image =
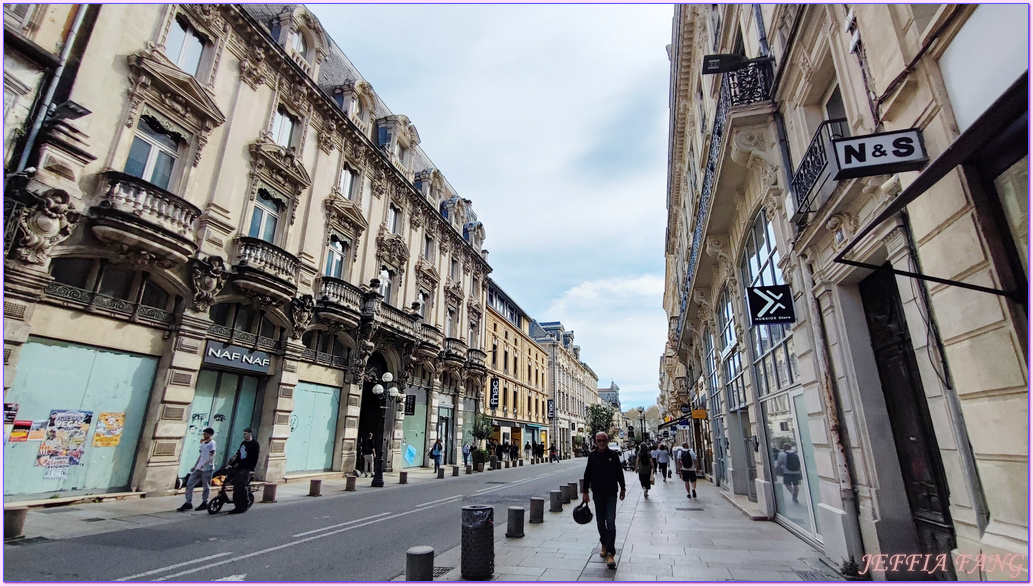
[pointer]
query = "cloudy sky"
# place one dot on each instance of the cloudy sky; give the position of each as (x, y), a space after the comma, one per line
(553, 119)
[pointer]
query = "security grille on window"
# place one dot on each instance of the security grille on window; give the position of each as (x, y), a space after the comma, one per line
(152, 157)
(265, 217)
(184, 46)
(283, 127)
(774, 358)
(337, 251)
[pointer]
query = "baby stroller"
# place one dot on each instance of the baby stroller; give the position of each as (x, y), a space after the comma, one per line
(219, 478)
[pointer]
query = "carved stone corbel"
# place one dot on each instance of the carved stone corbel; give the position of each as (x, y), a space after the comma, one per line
(208, 277)
(301, 310)
(43, 225)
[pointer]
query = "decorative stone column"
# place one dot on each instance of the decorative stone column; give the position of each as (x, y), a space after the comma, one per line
(277, 406)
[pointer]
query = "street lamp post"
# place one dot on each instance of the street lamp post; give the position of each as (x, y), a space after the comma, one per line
(393, 394)
(642, 424)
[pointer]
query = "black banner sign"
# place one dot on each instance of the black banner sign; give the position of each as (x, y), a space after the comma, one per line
(493, 398)
(552, 409)
(772, 304)
(410, 404)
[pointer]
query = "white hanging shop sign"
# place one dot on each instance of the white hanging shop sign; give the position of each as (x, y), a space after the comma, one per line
(879, 154)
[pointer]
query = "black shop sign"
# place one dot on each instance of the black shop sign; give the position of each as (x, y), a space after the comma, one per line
(493, 398)
(410, 404)
(772, 304)
(236, 357)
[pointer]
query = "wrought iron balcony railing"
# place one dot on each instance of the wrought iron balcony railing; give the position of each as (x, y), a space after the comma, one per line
(814, 170)
(750, 84)
(113, 306)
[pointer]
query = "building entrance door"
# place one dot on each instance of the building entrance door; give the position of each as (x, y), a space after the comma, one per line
(917, 450)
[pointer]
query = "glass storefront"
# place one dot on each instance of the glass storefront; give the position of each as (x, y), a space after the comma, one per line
(790, 465)
(414, 430)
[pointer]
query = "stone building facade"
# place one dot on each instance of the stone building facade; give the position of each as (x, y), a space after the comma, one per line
(519, 366)
(572, 385)
(901, 388)
(235, 231)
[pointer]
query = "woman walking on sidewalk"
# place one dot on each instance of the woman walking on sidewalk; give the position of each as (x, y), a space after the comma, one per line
(644, 465)
(435, 453)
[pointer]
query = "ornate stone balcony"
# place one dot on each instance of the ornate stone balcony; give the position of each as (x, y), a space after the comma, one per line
(265, 270)
(431, 341)
(475, 361)
(338, 301)
(455, 353)
(403, 323)
(144, 218)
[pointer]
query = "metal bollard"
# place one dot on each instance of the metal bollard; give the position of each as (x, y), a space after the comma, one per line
(477, 557)
(269, 492)
(537, 510)
(403, 477)
(515, 522)
(349, 483)
(555, 501)
(315, 486)
(455, 470)
(419, 564)
(581, 485)
(575, 494)
(521, 462)
(441, 472)
(507, 463)
(469, 469)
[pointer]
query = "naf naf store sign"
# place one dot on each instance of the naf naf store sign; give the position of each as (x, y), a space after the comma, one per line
(771, 304)
(235, 357)
(879, 154)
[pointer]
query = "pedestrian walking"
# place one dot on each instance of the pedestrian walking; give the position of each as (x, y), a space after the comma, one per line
(201, 472)
(552, 454)
(435, 454)
(689, 466)
(244, 463)
(676, 457)
(644, 467)
(500, 451)
(527, 450)
(466, 454)
(654, 453)
(603, 474)
(514, 452)
(369, 452)
(663, 459)
(788, 465)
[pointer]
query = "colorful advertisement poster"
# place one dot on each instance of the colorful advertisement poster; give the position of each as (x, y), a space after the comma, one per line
(38, 431)
(57, 467)
(65, 438)
(109, 429)
(20, 431)
(10, 412)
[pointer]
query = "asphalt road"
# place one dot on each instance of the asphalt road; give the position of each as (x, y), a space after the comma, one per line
(361, 536)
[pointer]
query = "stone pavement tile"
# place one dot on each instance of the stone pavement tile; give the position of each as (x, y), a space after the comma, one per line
(596, 578)
(791, 576)
(559, 575)
(682, 560)
(518, 570)
(657, 549)
(642, 557)
(508, 578)
(648, 569)
(723, 564)
(755, 575)
(596, 572)
(557, 563)
(765, 565)
(702, 574)
(622, 576)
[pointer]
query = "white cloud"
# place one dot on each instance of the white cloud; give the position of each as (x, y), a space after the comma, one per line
(621, 328)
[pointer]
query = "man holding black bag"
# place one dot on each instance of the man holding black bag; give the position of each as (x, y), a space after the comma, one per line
(603, 474)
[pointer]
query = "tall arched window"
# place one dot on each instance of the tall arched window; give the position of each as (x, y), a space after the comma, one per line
(732, 363)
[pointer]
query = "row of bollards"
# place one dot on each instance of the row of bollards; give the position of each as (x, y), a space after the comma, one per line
(477, 557)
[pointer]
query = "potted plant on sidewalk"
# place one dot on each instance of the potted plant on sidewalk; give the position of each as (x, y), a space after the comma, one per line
(482, 430)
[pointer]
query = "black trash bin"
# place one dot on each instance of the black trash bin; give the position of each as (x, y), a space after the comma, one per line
(478, 540)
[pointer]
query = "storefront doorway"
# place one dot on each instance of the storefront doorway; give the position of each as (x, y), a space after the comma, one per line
(227, 402)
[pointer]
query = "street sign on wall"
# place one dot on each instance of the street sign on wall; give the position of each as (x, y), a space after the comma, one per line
(771, 304)
(699, 413)
(685, 408)
(879, 154)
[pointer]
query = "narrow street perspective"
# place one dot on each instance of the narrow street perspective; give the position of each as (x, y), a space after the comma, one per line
(755, 307)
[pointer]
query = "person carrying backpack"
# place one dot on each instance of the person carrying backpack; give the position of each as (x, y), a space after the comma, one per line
(788, 465)
(689, 466)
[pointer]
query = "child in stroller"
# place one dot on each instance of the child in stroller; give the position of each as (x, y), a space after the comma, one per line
(219, 478)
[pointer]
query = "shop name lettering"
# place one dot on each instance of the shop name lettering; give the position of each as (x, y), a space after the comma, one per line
(237, 357)
(1014, 563)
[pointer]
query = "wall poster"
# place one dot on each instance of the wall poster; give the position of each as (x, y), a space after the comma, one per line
(65, 439)
(109, 429)
(20, 431)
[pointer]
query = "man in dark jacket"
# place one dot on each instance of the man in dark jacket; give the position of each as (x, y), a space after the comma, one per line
(244, 463)
(603, 474)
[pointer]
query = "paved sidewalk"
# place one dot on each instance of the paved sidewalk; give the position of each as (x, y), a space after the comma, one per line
(90, 518)
(666, 537)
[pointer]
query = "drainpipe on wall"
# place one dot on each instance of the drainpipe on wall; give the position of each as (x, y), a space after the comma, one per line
(844, 476)
(44, 109)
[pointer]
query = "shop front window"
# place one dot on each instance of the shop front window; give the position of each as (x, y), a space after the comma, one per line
(791, 461)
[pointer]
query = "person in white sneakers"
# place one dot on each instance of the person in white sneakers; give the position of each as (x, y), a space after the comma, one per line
(201, 472)
(689, 466)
